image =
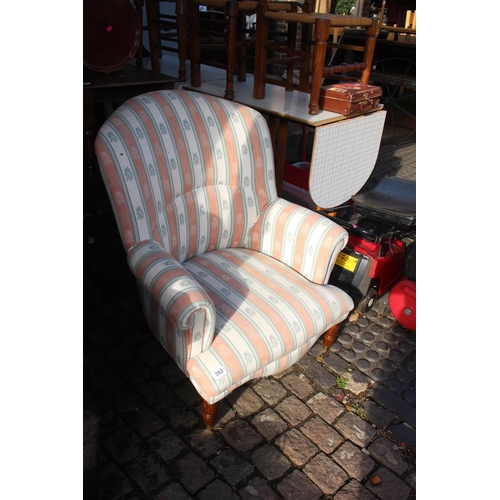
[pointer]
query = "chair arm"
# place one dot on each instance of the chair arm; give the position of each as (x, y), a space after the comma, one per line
(301, 238)
(178, 310)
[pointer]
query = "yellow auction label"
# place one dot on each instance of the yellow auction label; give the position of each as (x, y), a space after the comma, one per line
(346, 261)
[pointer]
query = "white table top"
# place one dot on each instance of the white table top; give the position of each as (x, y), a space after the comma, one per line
(293, 105)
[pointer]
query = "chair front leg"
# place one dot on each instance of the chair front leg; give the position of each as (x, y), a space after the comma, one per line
(330, 336)
(209, 414)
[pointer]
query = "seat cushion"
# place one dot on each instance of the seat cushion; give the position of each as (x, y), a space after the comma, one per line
(268, 315)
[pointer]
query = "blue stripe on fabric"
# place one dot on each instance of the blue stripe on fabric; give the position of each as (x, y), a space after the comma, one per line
(252, 263)
(119, 171)
(222, 317)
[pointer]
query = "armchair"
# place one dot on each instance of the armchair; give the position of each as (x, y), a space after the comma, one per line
(233, 280)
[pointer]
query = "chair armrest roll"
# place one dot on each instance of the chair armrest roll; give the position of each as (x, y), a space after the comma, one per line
(301, 238)
(178, 310)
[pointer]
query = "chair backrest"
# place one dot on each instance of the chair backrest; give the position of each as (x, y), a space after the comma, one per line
(186, 170)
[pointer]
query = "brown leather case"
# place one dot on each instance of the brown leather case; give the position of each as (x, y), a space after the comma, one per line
(349, 98)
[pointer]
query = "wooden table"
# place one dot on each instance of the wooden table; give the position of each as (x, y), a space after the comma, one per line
(281, 107)
(401, 35)
(115, 87)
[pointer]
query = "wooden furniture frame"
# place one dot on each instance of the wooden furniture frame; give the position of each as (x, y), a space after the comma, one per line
(227, 32)
(164, 29)
(311, 55)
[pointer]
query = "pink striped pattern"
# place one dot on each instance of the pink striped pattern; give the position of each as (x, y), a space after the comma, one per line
(302, 239)
(265, 312)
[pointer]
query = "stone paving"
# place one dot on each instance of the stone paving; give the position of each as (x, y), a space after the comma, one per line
(339, 424)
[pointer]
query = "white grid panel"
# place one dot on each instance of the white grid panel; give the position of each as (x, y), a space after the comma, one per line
(344, 154)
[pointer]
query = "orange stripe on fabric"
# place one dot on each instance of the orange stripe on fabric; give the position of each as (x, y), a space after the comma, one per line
(204, 142)
(283, 293)
(322, 303)
(181, 303)
(238, 213)
(178, 135)
(279, 231)
(190, 202)
(324, 252)
(214, 219)
(341, 297)
(113, 180)
(268, 310)
(262, 305)
(258, 155)
(230, 141)
(142, 179)
(156, 143)
(302, 241)
(140, 168)
(224, 350)
(234, 315)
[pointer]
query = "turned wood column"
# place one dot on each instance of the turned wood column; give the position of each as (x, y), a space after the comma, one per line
(209, 413)
(330, 336)
(321, 34)
(232, 14)
(371, 39)
(260, 65)
(181, 14)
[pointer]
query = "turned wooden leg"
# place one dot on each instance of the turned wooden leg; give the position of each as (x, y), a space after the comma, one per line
(330, 336)
(232, 14)
(209, 413)
(181, 16)
(321, 35)
(195, 44)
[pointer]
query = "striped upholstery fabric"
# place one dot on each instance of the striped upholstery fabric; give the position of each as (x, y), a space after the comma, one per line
(232, 278)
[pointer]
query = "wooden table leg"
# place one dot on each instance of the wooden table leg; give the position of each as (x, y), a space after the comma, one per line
(279, 165)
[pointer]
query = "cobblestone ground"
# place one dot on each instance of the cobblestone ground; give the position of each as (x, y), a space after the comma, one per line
(337, 425)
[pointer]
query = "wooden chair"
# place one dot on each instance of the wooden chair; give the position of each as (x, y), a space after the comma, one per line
(168, 32)
(233, 280)
(311, 54)
(223, 28)
(219, 29)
